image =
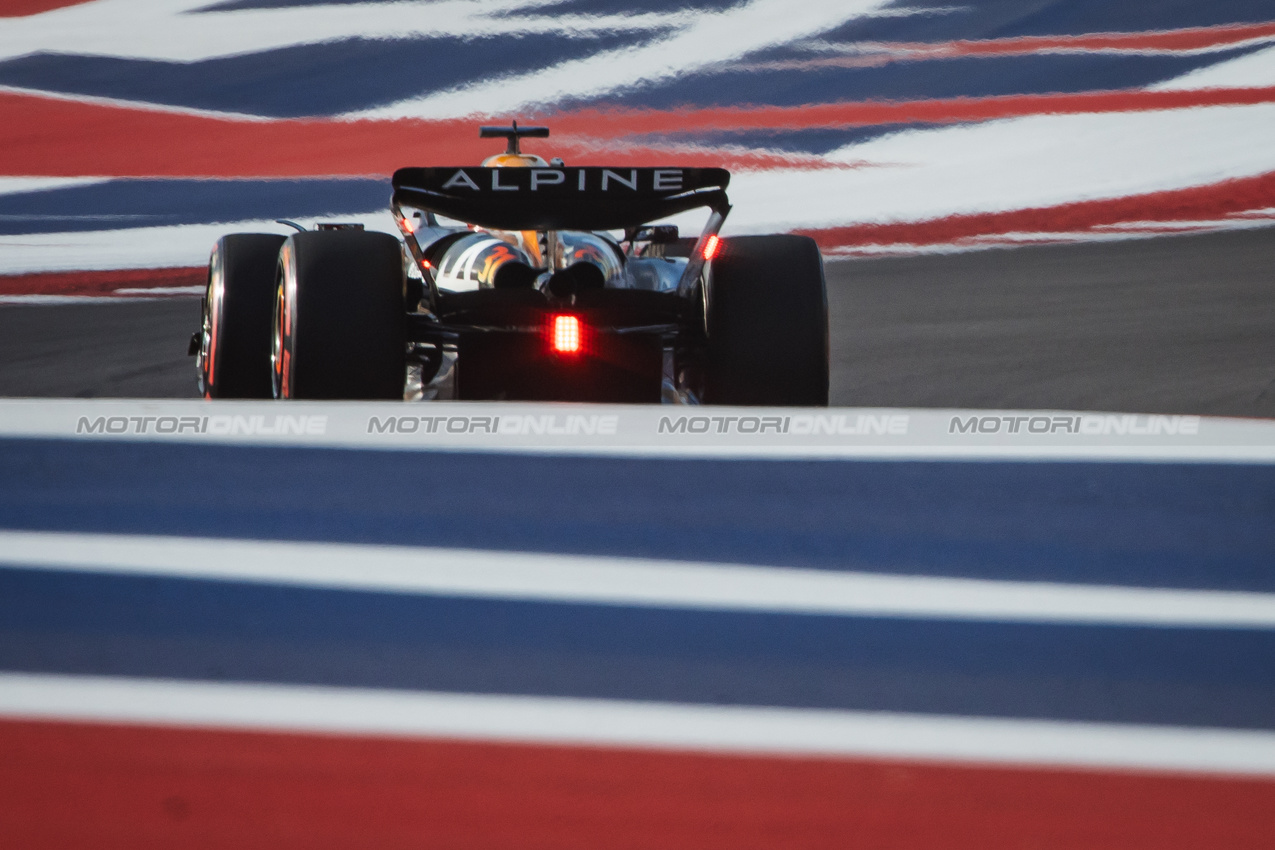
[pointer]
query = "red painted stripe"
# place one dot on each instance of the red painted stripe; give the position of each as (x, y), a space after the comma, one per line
(1214, 201)
(955, 110)
(62, 137)
(84, 785)
(1192, 38)
(875, 54)
(50, 137)
(99, 282)
(22, 8)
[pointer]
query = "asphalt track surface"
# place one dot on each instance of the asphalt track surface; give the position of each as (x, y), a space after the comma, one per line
(1183, 324)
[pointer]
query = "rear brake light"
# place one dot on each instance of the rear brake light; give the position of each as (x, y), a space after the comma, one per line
(565, 335)
(711, 246)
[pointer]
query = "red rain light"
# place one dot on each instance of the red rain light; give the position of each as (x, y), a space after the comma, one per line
(565, 336)
(711, 246)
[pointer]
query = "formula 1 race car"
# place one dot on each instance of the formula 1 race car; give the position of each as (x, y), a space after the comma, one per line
(548, 283)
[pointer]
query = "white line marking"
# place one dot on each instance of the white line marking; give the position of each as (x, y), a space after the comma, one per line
(160, 290)
(106, 298)
(1122, 232)
(730, 729)
(632, 581)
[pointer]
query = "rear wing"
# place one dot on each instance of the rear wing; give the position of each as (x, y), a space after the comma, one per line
(561, 198)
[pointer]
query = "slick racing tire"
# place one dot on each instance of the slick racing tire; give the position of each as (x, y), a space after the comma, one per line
(234, 339)
(339, 317)
(766, 316)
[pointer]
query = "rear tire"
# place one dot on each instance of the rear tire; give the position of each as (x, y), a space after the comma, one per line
(767, 323)
(234, 342)
(339, 317)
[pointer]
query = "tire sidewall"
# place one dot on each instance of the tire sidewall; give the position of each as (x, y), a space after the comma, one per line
(284, 324)
(210, 324)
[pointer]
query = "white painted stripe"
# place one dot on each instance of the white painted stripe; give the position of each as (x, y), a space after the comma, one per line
(58, 300)
(730, 729)
(1253, 70)
(19, 185)
(152, 291)
(157, 293)
(1122, 232)
(165, 246)
(632, 581)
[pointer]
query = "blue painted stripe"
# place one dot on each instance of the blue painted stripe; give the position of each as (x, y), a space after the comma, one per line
(977, 19)
(1157, 525)
(971, 76)
(162, 627)
(308, 80)
(817, 141)
(153, 203)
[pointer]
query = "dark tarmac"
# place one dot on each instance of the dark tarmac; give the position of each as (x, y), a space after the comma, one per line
(1183, 324)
